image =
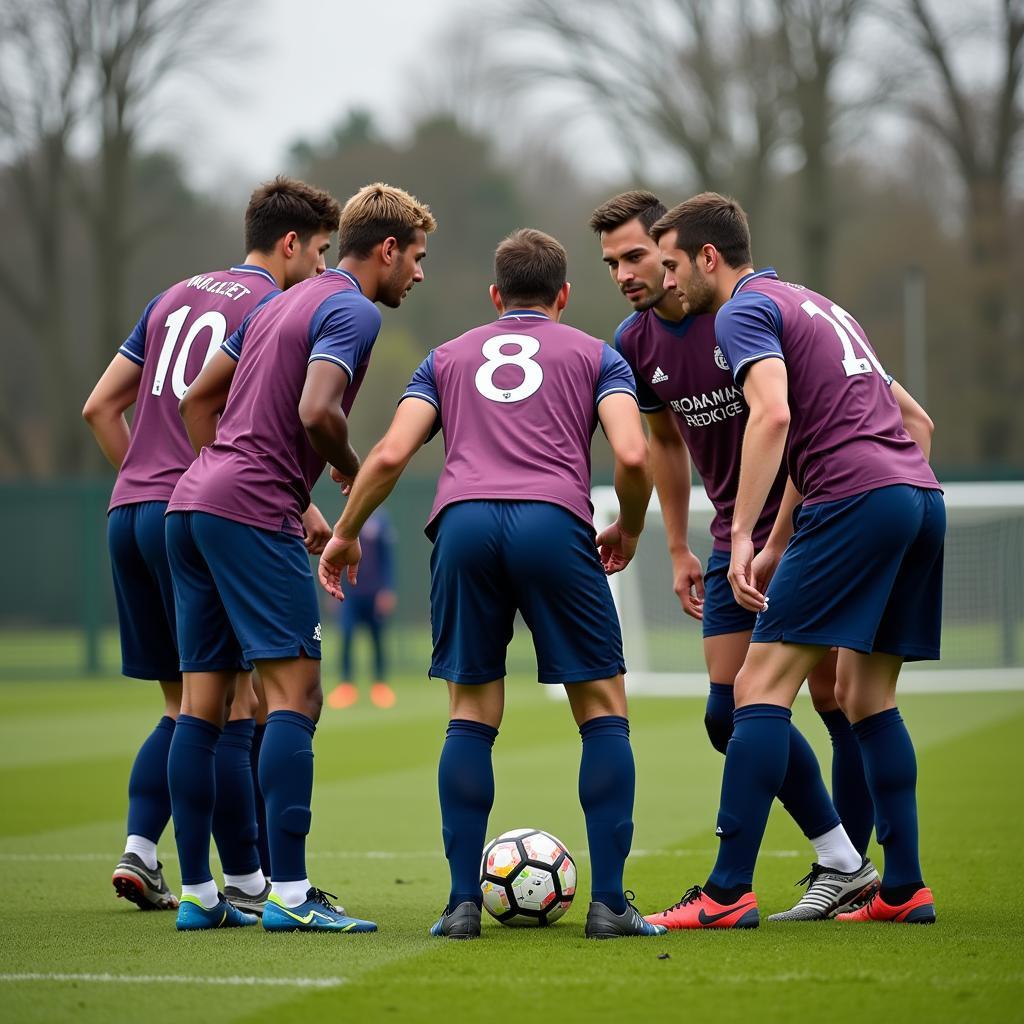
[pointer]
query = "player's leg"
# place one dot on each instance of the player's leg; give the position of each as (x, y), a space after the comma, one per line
(380, 693)
(471, 616)
(346, 693)
(257, 745)
(145, 606)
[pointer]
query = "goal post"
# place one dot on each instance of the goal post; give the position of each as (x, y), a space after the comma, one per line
(982, 610)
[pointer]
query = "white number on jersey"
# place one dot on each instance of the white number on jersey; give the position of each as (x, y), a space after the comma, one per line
(218, 327)
(533, 375)
(842, 323)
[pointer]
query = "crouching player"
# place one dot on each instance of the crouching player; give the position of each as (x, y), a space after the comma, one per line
(243, 588)
(518, 401)
(287, 230)
(862, 572)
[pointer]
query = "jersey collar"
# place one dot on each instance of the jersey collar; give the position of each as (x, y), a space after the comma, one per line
(523, 314)
(346, 274)
(767, 272)
(248, 268)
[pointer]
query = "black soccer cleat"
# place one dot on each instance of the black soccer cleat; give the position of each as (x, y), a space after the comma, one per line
(461, 923)
(134, 882)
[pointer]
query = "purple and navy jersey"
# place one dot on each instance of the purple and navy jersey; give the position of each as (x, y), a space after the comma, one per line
(517, 401)
(261, 467)
(846, 433)
(679, 366)
(177, 332)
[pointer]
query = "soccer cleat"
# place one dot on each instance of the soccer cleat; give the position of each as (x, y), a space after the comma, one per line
(461, 923)
(919, 909)
(317, 914)
(697, 909)
(829, 892)
(604, 923)
(245, 902)
(382, 696)
(134, 882)
(344, 695)
(194, 917)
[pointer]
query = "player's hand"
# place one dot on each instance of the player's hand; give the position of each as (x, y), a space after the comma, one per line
(385, 602)
(688, 583)
(741, 577)
(339, 556)
(616, 548)
(763, 566)
(316, 530)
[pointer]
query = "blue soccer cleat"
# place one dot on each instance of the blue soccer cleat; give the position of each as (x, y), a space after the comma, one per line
(317, 914)
(194, 917)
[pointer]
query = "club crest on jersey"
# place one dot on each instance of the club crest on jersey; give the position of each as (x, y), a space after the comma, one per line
(660, 376)
(720, 361)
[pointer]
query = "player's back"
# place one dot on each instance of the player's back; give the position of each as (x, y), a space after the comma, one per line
(518, 402)
(177, 333)
(846, 431)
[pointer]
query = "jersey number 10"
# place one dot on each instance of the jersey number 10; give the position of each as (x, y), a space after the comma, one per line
(842, 323)
(211, 320)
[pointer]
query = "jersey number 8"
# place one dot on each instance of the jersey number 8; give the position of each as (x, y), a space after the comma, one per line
(533, 375)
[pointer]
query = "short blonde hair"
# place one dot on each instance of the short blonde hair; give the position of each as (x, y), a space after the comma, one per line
(377, 212)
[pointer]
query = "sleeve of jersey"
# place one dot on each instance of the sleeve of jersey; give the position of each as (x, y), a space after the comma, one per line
(134, 346)
(424, 385)
(748, 329)
(646, 398)
(614, 378)
(233, 345)
(343, 331)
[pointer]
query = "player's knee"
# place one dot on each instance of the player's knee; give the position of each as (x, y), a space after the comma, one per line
(296, 820)
(719, 729)
(315, 703)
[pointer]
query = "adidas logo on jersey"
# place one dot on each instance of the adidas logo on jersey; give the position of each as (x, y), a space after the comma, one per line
(660, 376)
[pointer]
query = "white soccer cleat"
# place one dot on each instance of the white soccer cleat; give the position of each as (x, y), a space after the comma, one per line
(830, 892)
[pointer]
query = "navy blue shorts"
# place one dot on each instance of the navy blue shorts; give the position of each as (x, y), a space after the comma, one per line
(722, 614)
(142, 587)
(359, 609)
(241, 594)
(864, 573)
(492, 558)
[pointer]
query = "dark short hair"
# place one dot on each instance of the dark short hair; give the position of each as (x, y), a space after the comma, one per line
(529, 268)
(637, 203)
(286, 204)
(377, 212)
(709, 219)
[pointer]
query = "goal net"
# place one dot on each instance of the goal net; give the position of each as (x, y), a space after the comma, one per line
(982, 601)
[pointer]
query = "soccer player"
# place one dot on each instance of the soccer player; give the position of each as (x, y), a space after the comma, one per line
(287, 231)
(862, 572)
(518, 401)
(687, 393)
(243, 589)
(369, 603)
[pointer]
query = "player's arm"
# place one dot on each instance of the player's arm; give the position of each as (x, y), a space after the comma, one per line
(205, 398)
(104, 409)
(325, 423)
(670, 463)
(766, 561)
(411, 427)
(620, 418)
(917, 423)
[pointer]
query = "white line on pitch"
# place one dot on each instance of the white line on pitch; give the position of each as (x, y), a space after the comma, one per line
(172, 979)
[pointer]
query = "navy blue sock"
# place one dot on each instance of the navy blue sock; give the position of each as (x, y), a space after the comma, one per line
(193, 784)
(803, 791)
(755, 765)
(149, 799)
(891, 771)
(850, 791)
(718, 715)
(234, 813)
(286, 778)
(607, 785)
(261, 807)
(465, 785)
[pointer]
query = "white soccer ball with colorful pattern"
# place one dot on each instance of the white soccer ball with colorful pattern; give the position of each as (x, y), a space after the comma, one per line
(527, 877)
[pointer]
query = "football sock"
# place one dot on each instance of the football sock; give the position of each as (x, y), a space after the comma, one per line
(286, 778)
(144, 849)
(755, 765)
(193, 783)
(251, 884)
(834, 850)
(261, 807)
(607, 784)
(850, 791)
(234, 814)
(891, 771)
(803, 791)
(149, 799)
(291, 894)
(465, 785)
(718, 715)
(894, 895)
(205, 892)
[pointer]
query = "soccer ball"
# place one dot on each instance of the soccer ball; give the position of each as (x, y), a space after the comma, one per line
(527, 877)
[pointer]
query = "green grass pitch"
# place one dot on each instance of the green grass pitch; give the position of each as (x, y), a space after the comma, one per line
(69, 950)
